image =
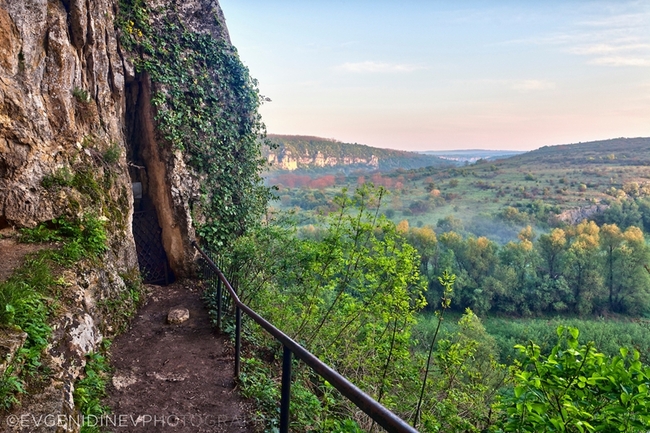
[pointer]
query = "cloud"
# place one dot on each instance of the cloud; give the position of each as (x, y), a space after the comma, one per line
(617, 40)
(619, 20)
(621, 61)
(376, 67)
(605, 48)
(532, 85)
(628, 52)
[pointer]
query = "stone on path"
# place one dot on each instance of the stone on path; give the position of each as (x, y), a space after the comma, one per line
(178, 315)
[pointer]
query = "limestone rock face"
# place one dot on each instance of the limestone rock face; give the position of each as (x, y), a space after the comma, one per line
(574, 216)
(68, 94)
(74, 113)
(62, 79)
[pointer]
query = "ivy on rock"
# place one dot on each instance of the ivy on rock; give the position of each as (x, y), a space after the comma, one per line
(207, 106)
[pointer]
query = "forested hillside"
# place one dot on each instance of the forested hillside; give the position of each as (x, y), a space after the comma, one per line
(291, 152)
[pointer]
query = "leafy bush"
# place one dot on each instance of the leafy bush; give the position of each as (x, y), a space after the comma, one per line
(90, 390)
(577, 389)
(608, 335)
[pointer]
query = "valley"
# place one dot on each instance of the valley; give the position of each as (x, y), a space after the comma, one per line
(544, 188)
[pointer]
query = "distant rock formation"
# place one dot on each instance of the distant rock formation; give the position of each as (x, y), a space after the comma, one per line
(285, 160)
(574, 216)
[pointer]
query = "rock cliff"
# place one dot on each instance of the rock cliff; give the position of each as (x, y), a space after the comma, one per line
(296, 152)
(78, 134)
(285, 160)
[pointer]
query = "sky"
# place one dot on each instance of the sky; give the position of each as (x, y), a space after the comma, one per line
(439, 75)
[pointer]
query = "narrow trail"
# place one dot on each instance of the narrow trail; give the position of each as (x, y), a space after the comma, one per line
(174, 378)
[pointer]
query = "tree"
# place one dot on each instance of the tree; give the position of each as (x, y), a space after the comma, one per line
(610, 240)
(551, 248)
(426, 243)
(517, 273)
(582, 266)
(475, 261)
(631, 289)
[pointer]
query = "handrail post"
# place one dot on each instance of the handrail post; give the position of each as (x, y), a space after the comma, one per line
(237, 340)
(219, 302)
(285, 401)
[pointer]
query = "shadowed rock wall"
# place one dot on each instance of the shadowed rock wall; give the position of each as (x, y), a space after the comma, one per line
(68, 96)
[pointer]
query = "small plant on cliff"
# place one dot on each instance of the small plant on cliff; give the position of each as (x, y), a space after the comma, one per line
(90, 390)
(62, 177)
(81, 95)
(112, 154)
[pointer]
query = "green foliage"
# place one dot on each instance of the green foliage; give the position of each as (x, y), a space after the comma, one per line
(577, 389)
(461, 375)
(608, 335)
(81, 95)
(24, 305)
(62, 177)
(85, 235)
(25, 298)
(112, 154)
(349, 292)
(309, 412)
(257, 384)
(90, 390)
(206, 104)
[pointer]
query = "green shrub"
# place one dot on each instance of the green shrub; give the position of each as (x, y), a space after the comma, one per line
(112, 154)
(62, 177)
(81, 95)
(90, 390)
(577, 389)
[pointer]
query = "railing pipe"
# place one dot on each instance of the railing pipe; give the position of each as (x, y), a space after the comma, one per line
(285, 401)
(219, 303)
(237, 339)
(385, 418)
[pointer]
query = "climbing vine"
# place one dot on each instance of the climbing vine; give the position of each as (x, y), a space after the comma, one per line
(206, 105)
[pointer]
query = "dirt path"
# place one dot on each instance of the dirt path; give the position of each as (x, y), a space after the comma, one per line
(176, 378)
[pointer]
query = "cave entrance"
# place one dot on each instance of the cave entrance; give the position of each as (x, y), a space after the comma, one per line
(147, 234)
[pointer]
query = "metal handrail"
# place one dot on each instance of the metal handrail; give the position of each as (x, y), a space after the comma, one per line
(382, 416)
